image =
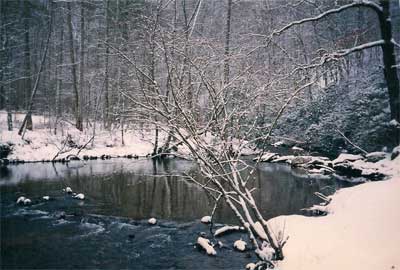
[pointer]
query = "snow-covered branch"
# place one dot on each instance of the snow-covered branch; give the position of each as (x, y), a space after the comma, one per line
(361, 47)
(368, 4)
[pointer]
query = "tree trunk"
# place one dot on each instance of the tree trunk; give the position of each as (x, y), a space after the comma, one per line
(28, 81)
(389, 61)
(227, 42)
(78, 114)
(58, 76)
(9, 121)
(28, 116)
(3, 56)
(106, 73)
(82, 60)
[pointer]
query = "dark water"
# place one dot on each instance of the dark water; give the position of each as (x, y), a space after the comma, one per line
(109, 230)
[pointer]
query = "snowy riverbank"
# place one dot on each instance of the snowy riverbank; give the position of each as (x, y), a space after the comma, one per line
(42, 144)
(361, 230)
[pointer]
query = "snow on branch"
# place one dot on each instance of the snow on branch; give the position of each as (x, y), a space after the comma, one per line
(361, 47)
(395, 43)
(368, 4)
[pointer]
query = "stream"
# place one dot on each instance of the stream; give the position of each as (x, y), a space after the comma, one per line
(109, 229)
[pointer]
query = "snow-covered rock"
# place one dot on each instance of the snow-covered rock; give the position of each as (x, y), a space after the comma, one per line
(251, 266)
(301, 160)
(27, 201)
(227, 229)
(240, 245)
(287, 159)
(395, 152)
(346, 157)
(205, 244)
(348, 169)
(298, 149)
(279, 143)
(21, 200)
(268, 157)
(375, 156)
(322, 171)
(152, 221)
(68, 190)
(206, 219)
(46, 198)
(394, 123)
(80, 196)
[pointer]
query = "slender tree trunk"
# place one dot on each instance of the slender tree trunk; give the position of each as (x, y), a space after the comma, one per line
(227, 42)
(106, 73)
(28, 116)
(58, 76)
(152, 76)
(78, 115)
(9, 121)
(389, 60)
(82, 59)
(3, 56)
(4, 94)
(28, 73)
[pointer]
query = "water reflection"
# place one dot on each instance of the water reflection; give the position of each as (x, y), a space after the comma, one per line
(145, 188)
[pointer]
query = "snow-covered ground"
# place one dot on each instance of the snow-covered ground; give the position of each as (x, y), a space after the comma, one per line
(42, 144)
(361, 231)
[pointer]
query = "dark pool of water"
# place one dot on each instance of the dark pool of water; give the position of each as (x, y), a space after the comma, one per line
(109, 229)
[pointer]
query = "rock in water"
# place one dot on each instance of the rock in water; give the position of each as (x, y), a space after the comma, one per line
(27, 201)
(46, 198)
(68, 190)
(21, 200)
(80, 196)
(205, 244)
(251, 266)
(267, 157)
(240, 245)
(301, 161)
(206, 219)
(152, 221)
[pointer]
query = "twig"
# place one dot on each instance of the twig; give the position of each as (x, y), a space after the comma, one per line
(61, 149)
(84, 146)
(350, 142)
(322, 197)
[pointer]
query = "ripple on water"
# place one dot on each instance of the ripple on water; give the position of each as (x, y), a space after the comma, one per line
(60, 222)
(159, 240)
(123, 225)
(91, 228)
(28, 212)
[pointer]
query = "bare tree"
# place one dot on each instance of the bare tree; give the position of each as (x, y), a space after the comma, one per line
(77, 105)
(27, 122)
